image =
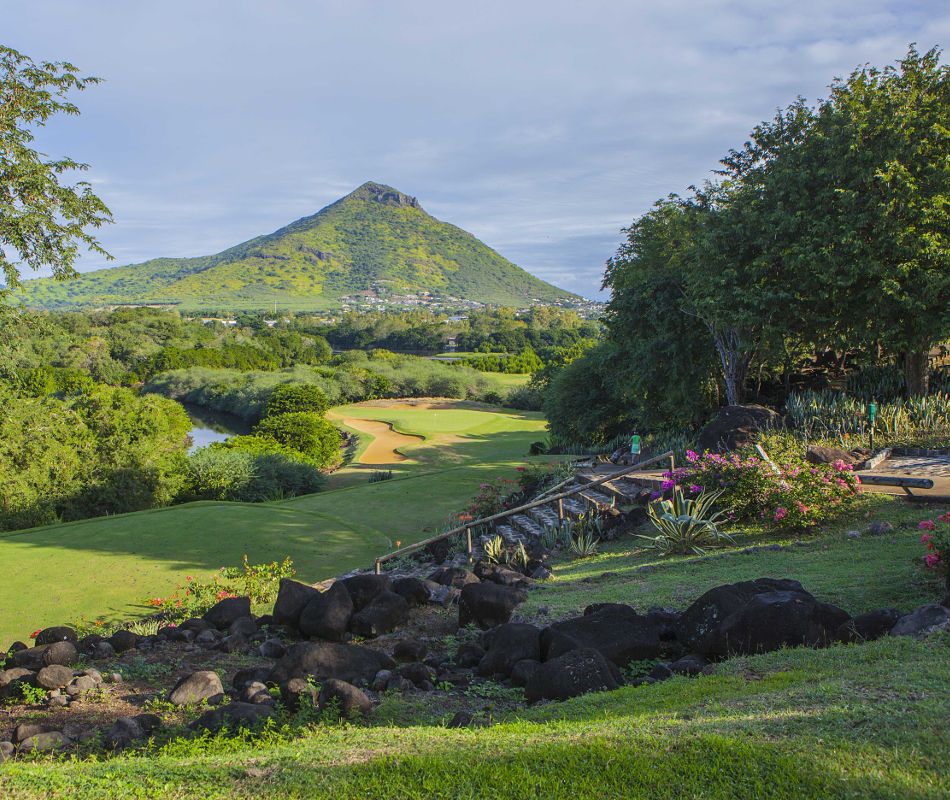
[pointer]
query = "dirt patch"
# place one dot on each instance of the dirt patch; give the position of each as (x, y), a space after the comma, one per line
(425, 403)
(383, 448)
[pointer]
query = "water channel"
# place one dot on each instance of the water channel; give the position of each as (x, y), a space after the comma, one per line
(209, 426)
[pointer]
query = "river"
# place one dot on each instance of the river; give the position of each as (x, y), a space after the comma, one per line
(209, 426)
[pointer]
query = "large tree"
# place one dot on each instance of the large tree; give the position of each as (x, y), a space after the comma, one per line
(42, 221)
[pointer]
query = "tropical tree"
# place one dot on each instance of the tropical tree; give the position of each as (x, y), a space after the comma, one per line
(42, 221)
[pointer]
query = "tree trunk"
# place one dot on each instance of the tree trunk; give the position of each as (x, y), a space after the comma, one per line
(917, 372)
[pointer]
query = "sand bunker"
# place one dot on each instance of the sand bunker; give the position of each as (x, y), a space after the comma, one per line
(382, 450)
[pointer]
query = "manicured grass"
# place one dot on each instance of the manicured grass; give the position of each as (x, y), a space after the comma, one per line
(849, 721)
(106, 566)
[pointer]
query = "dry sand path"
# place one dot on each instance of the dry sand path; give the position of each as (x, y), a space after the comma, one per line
(383, 448)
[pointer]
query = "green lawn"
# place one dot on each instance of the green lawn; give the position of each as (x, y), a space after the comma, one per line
(849, 721)
(104, 567)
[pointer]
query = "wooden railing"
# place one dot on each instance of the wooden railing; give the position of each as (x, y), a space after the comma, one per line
(559, 498)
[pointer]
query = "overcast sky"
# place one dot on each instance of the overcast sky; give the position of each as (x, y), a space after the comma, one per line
(542, 127)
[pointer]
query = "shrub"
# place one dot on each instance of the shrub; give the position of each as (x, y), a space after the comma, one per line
(798, 494)
(289, 398)
(686, 524)
(937, 540)
(219, 473)
(305, 433)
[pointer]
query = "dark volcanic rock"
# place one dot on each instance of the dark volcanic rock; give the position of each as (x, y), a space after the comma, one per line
(469, 655)
(64, 653)
(123, 641)
(522, 671)
(409, 650)
(869, 626)
(226, 611)
(364, 589)
(735, 426)
(708, 612)
(297, 690)
(345, 698)
(488, 604)
(234, 715)
(413, 590)
(458, 577)
(386, 612)
(508, 644)
(350, 663)
(327, 614)
(292, 598)
(828, 455)
(618, 632)
(59, 633)
(574, 673)
(921, 621)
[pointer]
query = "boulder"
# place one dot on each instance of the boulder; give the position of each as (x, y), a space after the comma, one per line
(500, 574)
(292, 598)
(6, 751)
(736, 426)
(322, 660)
(708, 612)
(574, 673)
(198, 686)
(409, 650)
(508, 644)
(413, 590)
(418, 673)
(54, 677)
(30, 658)
(773, 620)
(123, 732)
(458, 577)
(243, 626)
(87, 645)
(469, 655)
(618, 632)
(234, 715)
(688, 665)
(828, 455)
(59, 633)
(123, 641)
(364, 588)
(386, 612)
(327, 614)
(272, 648)
(232, 644)
(922, 621)
(63, 653)
(103, 650)
(869, 626)
(295, 691)
(488, 604)
(522, 671)
(345, 698)
(41, 742)
(195, 624)
(880, 528)
(226, 611)
(244, 677)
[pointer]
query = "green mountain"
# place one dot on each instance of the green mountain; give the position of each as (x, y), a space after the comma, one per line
(374, 241)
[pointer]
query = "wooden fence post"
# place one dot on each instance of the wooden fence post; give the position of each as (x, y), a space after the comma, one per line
(560, 510)
(468, 536)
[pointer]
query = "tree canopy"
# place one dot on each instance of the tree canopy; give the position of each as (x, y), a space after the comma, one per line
(42, 221)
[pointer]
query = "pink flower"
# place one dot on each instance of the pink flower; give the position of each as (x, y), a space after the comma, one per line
(691, 456)
(944, 517)
(667, 485)
(932, 559)
(802, 508)
(925, 538)
(927, 525)
(780, 513)
(520, 469)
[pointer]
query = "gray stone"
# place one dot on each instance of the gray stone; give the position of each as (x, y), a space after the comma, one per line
(62, 653)
(103, 650)
(327, 614)
(922, 621)
(350, 663)
(54, 676)
(574, 673)
(345, 698)
(223, 613)
(381, 681)
(880, 528)
(272, 648)
(123, 732)
(41, 742)
(6, 751)
(234, 715)
(292, 598)
(202, 685)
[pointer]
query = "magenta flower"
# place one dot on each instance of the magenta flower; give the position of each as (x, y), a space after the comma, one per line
(667, 485)
(780, 513)
(927, 525)
(656, 495)
(695, 488)
(925, 538)
(932, 559)
(691, 456)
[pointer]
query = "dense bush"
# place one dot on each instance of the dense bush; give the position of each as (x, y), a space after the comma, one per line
(289, 397)
(220, 472)
(798, 494)
(305, 433)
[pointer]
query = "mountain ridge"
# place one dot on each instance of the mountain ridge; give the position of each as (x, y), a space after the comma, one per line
(375, 241)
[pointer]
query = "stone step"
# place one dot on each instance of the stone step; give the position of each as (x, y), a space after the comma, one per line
(574, 508)
(525, 525)
(544, 515)
(598, 498)
(509, 534)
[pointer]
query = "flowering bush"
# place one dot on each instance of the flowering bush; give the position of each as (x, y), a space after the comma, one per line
(937, 540)
(260, 582)
(491, 498)
(798, 494)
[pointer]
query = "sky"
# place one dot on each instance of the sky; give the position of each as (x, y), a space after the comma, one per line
(542, 127)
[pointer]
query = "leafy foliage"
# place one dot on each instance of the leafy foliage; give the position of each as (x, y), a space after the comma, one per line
(41, 220)
(686, 525)
(308, 434)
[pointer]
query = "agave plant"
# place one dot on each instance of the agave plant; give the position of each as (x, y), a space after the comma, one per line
(494, 549)
(686, 525)
(584, 544)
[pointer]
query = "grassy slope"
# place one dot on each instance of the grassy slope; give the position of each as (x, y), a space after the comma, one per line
(104, 566)
(342, 249)
(859, 721)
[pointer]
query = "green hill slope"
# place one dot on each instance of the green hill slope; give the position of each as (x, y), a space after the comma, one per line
(374, 241)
